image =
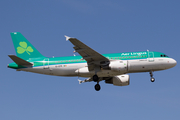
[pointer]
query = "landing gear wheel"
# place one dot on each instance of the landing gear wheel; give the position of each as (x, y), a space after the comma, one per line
(97, 87)
(152, 79)
(95, 78)
(151, 74)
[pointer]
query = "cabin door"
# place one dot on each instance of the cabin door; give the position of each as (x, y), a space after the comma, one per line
(46, 63)
(150, 56)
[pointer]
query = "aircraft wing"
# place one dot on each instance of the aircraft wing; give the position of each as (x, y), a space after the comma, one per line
(93, 58)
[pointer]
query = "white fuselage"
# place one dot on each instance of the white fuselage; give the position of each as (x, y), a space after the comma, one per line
(81, 69)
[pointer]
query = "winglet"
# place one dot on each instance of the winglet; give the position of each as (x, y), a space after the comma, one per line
(80, 81)
(67, 38)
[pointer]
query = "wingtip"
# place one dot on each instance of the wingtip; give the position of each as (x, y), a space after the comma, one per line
(79, 81)
(67, 37)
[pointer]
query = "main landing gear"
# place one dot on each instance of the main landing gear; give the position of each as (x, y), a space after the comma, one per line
(151, 74)
(96, 79)
(97, 87)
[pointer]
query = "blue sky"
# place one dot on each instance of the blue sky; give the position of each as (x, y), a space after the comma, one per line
(107, 26)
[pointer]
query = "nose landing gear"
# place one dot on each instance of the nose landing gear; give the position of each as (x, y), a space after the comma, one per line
(152, 78)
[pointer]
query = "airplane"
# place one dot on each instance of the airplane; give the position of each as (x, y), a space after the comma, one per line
(112, 68)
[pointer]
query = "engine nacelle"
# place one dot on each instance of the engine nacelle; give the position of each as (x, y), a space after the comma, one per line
(84, 72)
(119, 66)
(120, 80)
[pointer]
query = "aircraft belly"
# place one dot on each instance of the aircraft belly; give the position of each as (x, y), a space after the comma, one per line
(66, 69)
(137, 65)
(39, 70)
(84, 72)
(57, 70)
(107, 73)
(144, 65)
(64, 72)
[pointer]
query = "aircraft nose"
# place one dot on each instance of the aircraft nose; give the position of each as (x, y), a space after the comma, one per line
(173, 62)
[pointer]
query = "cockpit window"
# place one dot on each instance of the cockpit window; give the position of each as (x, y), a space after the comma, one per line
(164, 56)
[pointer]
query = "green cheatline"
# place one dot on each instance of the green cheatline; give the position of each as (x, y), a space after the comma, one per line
(23, 47)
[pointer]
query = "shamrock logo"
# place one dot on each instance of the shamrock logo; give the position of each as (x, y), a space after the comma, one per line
(23, 47)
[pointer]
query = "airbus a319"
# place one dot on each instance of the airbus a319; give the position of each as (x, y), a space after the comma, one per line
(112, 68)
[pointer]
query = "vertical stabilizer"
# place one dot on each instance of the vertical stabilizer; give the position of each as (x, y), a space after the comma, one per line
(24, 49)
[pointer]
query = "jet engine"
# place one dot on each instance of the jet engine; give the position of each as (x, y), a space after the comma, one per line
(120, 80)
(119, 66)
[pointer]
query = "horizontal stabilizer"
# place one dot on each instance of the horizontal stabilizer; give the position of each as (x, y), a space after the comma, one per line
(20, 61)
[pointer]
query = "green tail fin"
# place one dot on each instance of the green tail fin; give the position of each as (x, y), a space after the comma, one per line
(24, 49)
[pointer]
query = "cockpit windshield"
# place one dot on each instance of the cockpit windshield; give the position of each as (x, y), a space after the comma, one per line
(164, 56)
